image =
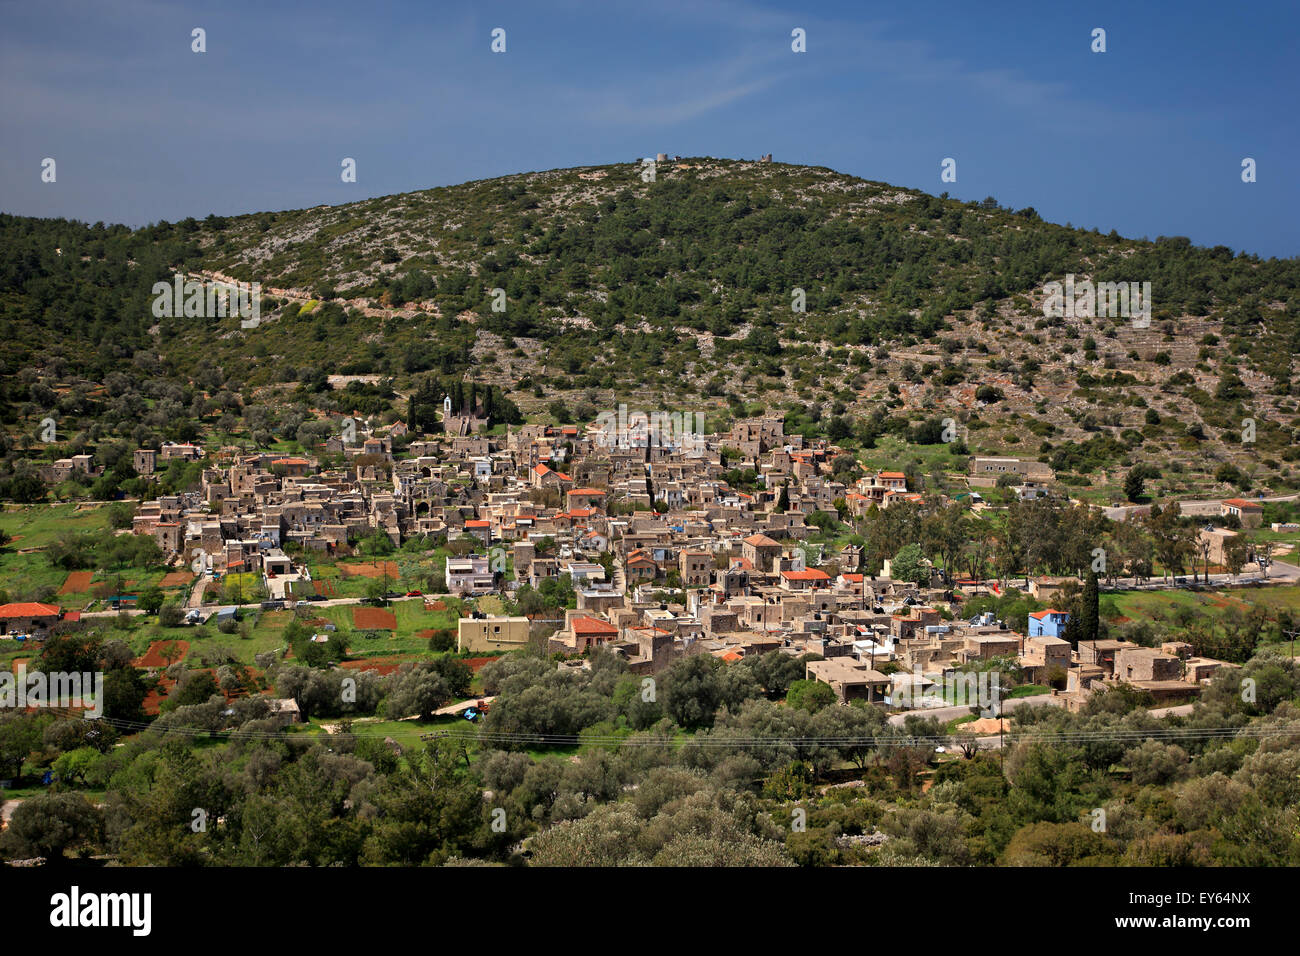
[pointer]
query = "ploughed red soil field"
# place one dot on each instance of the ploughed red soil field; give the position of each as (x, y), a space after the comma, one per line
(373, 618)
(77, 582)
(381, 665)
(154, 657)
(370, 570)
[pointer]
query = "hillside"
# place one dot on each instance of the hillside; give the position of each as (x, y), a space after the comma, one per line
(675, 294)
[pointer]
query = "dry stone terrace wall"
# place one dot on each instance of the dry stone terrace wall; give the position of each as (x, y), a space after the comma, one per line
(302, 297)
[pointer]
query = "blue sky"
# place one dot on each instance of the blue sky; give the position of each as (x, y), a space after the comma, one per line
(1146, 138)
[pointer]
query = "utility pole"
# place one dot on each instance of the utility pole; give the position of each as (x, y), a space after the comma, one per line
(1002, 756)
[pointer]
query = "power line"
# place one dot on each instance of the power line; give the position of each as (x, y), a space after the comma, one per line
(725, 740)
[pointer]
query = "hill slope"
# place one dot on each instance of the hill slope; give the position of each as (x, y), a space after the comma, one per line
(679, 292)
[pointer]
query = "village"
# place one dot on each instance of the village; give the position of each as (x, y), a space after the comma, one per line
(664, 558)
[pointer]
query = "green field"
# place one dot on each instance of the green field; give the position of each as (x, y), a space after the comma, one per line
(412, 618)
(891, 452)
(341, 585)
(1151, 605)
(29, 576)
(408, 577)
(1175, 610)
(405, 732)
(37, 526)
(142, 631)
(265, 632)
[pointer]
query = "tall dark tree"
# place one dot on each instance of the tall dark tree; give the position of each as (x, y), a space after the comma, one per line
(425, 403)
(1089, 611)
(1134, 482)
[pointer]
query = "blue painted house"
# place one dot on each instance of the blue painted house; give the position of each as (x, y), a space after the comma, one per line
(1050, 623)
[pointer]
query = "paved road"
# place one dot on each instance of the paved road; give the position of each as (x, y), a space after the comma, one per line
(1280, 569)
(196, 593)
(1279, 573)
(1182, 710)
(993, 742)
(952, 713)
(335, 602)
(1192, 507)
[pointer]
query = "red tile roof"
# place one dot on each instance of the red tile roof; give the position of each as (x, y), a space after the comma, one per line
(591, 625)
(810, 575)
(29, 609)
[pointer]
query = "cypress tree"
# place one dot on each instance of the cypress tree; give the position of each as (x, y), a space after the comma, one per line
(1089, 610)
